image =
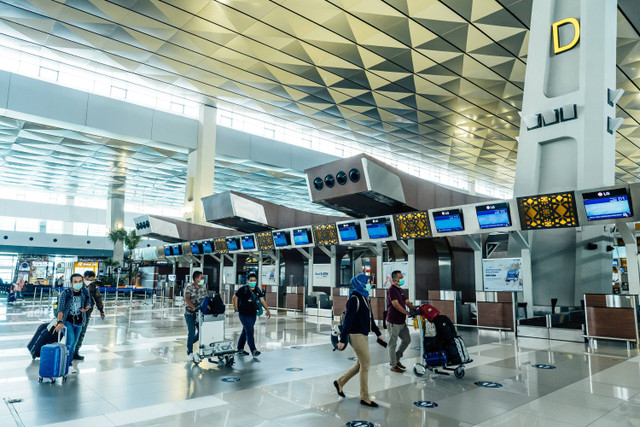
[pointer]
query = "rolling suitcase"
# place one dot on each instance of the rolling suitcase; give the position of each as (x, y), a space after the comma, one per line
(435, 358)
(42, 337)
(54, 361)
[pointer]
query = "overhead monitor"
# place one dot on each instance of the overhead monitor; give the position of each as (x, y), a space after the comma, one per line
(248, 243)
(176, 250)
(493, 215)
(196, 248)
(233, 243)
(281, 239)
(448, 221)
(379, 228)
(167, 251)
(207, 247)
(607, 204)
(349, 231)
(302, 236)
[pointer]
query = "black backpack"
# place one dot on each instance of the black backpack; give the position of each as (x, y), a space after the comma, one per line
(217, 306)
(445, 328)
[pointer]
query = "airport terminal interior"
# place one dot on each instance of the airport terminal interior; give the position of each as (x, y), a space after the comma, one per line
(205, 205)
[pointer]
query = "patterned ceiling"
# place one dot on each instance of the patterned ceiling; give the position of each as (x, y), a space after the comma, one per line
(436, 81)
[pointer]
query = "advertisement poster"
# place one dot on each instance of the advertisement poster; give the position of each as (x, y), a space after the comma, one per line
(268, 275)
(229, 275)
(390, 267)
(81, 267)
(502, 274)
(321, 274)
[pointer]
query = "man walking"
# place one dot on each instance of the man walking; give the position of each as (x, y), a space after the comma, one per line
(96, 298)
(397, 319)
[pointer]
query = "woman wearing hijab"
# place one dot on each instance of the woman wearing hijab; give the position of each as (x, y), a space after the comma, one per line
(358, 322)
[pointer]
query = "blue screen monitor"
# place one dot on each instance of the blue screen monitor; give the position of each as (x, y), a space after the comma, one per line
(233, 243)
(448, 221)
(349, 231)
(196, 248)
(378, 228)
(207, 247)
(176, 250)
(281, 239)
(167, 251)
(494, 215)
(607, 204)
(302, 236)
(248, 243)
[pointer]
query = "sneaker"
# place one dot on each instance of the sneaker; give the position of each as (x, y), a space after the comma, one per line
(255, 353)
(401, 366)
(78, 357)
(397, 369)
(190, 357)
(73, 370)
(243, 352)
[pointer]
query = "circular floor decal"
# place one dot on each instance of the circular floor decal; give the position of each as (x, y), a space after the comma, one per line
(417, 348)
(488, 384)
(297, 347)
(542, 366)
(425, 404)
(230, 379)
(352, 358)
(359, 424)
(294, 369)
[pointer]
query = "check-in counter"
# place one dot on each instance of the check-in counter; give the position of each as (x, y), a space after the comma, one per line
(295, 298)
(377, 298)
(445, 302)
(271, 296)
(496, 310)
(612, 317)
(340, 296)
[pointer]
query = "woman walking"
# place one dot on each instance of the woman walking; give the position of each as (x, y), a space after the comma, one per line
(358, 322)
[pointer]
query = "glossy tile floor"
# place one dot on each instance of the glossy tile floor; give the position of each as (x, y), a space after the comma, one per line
(135, 374)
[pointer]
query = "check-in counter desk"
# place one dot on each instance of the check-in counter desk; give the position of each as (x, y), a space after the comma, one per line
(340, 296)
(496, 310)
(295, 298)
(612, 317)
(445, 302)
(271, 295)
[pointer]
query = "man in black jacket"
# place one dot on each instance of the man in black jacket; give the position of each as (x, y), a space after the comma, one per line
(96, 298)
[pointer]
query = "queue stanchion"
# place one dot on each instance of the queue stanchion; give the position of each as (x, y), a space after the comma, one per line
(131, 297)
(117, 289)
(41, 296)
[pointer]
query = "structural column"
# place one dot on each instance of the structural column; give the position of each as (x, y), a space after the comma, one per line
(200, 167)
(115, 221)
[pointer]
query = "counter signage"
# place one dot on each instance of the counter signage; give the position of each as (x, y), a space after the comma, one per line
(502, 274)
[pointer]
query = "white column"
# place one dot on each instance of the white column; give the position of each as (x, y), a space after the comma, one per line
(115, 221)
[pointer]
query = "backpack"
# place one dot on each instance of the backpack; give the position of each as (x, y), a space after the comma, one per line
(445, 328)
(337, 329)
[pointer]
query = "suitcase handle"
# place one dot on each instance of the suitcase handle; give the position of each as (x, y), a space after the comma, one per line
(60, 336)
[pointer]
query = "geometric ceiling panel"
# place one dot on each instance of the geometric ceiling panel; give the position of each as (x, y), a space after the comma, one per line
(439, 82)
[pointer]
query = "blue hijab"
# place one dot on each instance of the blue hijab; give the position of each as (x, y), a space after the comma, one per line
(359, 284)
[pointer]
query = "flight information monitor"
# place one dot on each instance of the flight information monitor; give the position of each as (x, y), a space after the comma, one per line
(378, 228)
(281, 239)
(206, 247)
(176, 250)
(349, 231)
(448, 221)
(167, 251)
(248, 243)
(196, 248)
(607, 204)
(302, 236)
(493, 216)
(233, 243)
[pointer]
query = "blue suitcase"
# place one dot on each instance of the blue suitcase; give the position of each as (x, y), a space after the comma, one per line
(435, 358)
(54, 361)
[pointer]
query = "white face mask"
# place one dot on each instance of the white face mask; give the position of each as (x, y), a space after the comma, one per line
(88, 282)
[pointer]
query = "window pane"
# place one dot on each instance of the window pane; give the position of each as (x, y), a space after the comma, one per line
(80, 228)
(54, 227)
(27, 224)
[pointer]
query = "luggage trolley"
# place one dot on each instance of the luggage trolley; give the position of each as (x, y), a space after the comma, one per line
(432, 364)
(212, 341)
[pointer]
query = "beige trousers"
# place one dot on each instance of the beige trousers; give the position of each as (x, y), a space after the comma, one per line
(360, 345)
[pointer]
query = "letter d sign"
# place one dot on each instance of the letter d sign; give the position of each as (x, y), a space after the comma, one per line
(556, 37)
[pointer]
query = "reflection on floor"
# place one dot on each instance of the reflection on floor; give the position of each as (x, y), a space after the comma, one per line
(135, 374)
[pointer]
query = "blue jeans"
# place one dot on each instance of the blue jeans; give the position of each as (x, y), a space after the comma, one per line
(73, 333)
(247, 332)
(192, 326)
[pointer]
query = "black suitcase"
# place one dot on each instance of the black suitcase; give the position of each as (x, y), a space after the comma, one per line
(445, 329)
(41, 338)
(432, 344)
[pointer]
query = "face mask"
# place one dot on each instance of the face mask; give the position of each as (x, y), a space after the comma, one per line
(88, 282)
(401, 282)
(77, 286)
(368, 287)
(252, 284)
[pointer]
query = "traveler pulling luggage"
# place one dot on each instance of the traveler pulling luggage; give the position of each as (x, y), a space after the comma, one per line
(44, 335)
(443, 350)
(54, 360)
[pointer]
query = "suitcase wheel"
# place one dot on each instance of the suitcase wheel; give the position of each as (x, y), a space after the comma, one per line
(39, 379)
(64, 379)
(459, 372)
(419, 370)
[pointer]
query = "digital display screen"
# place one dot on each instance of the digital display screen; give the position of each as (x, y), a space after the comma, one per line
(493, 216)
(281, 239)
(607, 204)
(302, 236)
(195, 249)
(176, 250)
(206, 248)
(167, 251)
(233, 244)
(448, 221)
(378, 228)
(349, 231)
(248, 243)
